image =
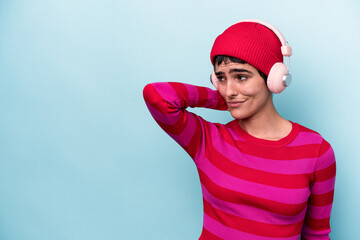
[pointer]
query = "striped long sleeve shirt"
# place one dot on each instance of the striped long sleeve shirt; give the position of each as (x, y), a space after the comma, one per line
(253, 189)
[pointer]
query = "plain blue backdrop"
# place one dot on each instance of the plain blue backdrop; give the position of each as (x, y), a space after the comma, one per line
(80, 156)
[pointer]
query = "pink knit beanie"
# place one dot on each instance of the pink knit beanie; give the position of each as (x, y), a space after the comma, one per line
(250, 42)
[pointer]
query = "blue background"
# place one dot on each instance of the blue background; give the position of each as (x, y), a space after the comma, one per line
(81, 157)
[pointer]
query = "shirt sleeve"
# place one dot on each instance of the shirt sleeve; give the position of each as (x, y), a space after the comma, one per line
(167, 103)
(317, 220)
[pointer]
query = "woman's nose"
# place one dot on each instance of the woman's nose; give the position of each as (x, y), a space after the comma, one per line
(230, 89)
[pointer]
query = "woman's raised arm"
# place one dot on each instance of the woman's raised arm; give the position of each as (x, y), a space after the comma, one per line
(167, 103)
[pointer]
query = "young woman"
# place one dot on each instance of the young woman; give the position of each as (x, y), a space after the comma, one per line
(262, 176)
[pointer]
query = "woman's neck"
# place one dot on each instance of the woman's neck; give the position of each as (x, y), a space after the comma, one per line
(268, 125)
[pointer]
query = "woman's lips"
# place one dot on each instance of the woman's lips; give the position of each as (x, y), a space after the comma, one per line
(235, 104)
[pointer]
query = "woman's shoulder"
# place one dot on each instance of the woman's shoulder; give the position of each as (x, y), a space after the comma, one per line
(302, 128)
(306, 134)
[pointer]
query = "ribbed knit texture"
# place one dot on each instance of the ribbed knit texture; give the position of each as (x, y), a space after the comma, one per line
(253, 189)
(251, 42)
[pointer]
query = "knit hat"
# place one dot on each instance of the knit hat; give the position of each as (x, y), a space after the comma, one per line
(251, 42)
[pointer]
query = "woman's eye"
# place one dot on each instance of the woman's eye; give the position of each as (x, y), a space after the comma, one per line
(242, 78)
(220, 78)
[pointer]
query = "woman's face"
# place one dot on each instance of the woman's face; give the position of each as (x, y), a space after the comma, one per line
(243, 89)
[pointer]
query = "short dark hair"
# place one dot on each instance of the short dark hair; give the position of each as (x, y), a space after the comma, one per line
(219, 59)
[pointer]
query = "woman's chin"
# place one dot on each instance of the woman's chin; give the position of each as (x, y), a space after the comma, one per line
(238, 114)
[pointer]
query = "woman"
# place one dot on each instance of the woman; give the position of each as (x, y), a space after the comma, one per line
(262, 176)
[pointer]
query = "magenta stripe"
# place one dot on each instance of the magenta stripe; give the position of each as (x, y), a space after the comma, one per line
(234, 135)
(200, 154)
(193, 94)
(185, 136)
(325, 160)
(228, 233)
(298, 166)
(169, 119)
(305, 138)
(319, 212)
(310, 234)
(281, 195)
(251, 213)
(323, 187)
(167, 92)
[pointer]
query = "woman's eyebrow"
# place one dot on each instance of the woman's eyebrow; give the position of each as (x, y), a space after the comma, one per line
(234, 70)
(239, 70)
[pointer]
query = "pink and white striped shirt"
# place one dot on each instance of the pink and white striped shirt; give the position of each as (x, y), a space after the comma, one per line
(253, 189)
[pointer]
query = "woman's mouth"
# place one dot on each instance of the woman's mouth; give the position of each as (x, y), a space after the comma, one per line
(235, 104)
